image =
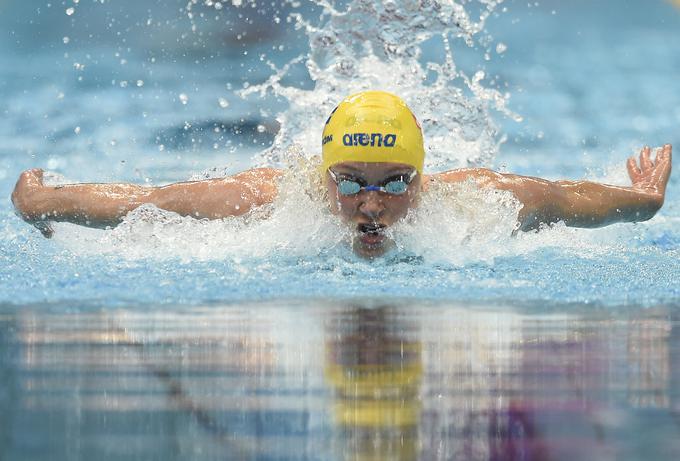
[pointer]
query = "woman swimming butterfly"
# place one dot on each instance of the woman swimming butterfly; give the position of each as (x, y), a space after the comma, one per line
(372, 167)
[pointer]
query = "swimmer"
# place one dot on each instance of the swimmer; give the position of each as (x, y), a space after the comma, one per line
(372, 168)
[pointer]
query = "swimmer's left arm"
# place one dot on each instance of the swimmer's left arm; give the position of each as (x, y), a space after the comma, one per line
(583, 203)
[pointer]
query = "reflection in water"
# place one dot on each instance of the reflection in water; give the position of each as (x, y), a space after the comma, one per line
(362, 381)
(376, 372)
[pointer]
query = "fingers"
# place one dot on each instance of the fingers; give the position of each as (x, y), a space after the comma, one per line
(651, 175)
(645, 160)
(30, 178)
(663, 164)
(33, 176)
(633, 170)
(664, 153)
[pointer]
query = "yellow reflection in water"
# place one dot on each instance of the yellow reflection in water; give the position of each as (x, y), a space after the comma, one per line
(375, 372)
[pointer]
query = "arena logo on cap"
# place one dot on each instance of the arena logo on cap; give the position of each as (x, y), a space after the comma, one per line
(369, 139)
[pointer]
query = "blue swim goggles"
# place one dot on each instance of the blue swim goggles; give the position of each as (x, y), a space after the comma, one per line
(395, 185)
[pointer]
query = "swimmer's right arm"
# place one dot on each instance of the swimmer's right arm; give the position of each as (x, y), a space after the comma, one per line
(105, 205)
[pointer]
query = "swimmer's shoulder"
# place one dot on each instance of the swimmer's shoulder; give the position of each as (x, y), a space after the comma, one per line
(258, 185)
(480, 175)
(259, 176)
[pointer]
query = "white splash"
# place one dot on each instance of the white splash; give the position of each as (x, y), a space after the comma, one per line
(378, 45)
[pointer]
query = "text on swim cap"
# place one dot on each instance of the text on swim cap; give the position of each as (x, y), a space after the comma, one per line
(326, 139)
(369, 139)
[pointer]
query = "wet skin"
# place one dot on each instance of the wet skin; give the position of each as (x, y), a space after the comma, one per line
(371, 212)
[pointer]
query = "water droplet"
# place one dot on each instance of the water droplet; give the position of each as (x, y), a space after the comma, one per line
(70, 11)
(261, 128)
(76, 130)
(140, 83)
(236, 2)
(183, 98)
(66, 40)
(501, 48)
(223, 103)
(218, 5)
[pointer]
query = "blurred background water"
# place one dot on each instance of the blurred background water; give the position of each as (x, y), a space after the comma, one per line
(175, 338)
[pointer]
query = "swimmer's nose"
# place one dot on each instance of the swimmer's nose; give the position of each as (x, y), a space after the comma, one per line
(372, 204)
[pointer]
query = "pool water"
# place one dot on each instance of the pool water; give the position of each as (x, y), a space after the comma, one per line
(174, 338)
(367, 379)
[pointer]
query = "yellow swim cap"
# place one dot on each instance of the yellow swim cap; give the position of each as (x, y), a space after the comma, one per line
(372, 126)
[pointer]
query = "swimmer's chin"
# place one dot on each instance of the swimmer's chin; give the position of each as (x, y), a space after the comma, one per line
(372, 251)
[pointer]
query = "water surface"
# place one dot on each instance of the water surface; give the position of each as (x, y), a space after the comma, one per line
(293, 380)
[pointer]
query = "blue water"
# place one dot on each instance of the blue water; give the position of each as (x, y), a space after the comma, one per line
(195, 340)
(591, 89)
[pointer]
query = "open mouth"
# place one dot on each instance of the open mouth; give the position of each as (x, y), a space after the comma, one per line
(371, 233)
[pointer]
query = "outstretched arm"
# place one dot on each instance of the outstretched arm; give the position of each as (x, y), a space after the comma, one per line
(583, 203)
(101, 205)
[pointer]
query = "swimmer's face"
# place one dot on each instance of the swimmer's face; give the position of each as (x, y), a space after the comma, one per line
(371, 211)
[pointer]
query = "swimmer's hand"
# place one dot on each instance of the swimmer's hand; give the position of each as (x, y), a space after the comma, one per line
(651, 177)
(28, 192)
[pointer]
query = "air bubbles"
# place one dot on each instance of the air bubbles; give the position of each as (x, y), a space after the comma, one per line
(76, 130)
(70, 11)
(66, 40)
(237, 2)
(501, 48)
(183, 98)
(223, 103)
(140, 83)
